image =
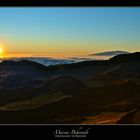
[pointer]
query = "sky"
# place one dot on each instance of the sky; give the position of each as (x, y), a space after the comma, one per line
(69, 30)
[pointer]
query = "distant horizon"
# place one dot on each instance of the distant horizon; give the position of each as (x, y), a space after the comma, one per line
(55, 54)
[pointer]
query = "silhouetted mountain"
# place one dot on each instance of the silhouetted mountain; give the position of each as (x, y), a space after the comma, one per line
(25, 72)
(20, 65)
(64, 84)
(16, 74)
(111, 53)
(89, 68)
(126, 57)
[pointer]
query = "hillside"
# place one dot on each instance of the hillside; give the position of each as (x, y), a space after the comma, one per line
(90, 91)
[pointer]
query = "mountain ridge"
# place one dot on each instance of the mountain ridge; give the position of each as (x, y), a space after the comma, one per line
(111, 53)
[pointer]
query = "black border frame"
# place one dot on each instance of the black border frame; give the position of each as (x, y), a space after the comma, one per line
(46, 131)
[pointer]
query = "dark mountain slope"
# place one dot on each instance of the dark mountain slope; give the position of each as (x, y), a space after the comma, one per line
(84, 103)
(64, 84)
(132, 57)
(122, 67)
(20, 66)
(79, 70)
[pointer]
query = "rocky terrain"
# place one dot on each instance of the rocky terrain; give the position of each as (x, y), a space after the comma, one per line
(89, 92)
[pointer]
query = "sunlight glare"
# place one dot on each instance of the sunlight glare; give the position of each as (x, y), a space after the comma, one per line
(1, 50)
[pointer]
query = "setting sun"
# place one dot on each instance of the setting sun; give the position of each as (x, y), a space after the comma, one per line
(1, 50)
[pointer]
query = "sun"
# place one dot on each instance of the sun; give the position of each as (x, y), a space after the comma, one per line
(1, 50)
